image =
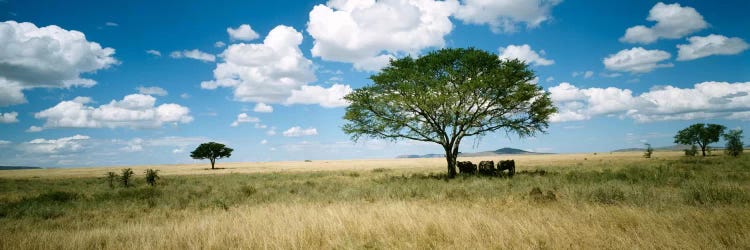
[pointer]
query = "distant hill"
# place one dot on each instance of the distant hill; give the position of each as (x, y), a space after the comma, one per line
(507, 151)
(17, 167)
(502, 151)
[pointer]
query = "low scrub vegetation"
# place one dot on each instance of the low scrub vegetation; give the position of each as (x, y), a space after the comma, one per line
(681, 202)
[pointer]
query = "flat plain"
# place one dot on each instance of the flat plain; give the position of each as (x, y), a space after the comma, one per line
(569, 201)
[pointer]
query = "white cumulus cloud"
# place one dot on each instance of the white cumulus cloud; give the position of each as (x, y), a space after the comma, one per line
(264, 72)
(263, 108)
(179, 144)
(710, 45)
(242, 33)
(268, 72)
(610, 75)
(271, 131)
(133, 111)
(672, 21)
(46, 57)
(524, 53)
(369, 33)
(134, 145)
(703, 101)
(153, 52)
(193, 54)
(244, 118)
(9, 117)
(157, 91)
(506, 15)
(637, 60)
(297, 131)
(34, 129)
(326, 97)
(62, 145)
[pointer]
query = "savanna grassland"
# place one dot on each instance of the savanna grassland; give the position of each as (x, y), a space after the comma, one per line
(619, 200)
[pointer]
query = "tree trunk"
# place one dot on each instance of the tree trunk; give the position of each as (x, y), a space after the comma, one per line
(213, 161)
(703, 148)
(451, 157)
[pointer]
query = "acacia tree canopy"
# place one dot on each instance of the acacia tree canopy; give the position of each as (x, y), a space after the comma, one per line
(447, 95)
(211, 151)
(701, 134)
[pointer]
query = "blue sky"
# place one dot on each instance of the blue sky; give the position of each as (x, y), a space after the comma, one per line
(90, 83)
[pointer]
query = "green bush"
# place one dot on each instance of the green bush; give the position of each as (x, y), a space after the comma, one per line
(151, 176)
(692, 151)
(249, 190)
(734, 142)
(111, 178)
(649, 151)
(125, 177)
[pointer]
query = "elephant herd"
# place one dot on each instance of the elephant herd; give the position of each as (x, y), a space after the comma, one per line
(487, 167)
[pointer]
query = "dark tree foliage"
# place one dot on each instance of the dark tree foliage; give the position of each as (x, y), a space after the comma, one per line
(447, 95)
(700, 134)
(111, 178)
(151, 176)
(649, 150)
(692, 151)
(125, 177)
(734, 142)
(211, 151)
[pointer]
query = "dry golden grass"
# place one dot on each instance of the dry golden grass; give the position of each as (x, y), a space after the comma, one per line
(410, 225)
(610, 201)
(524, 162)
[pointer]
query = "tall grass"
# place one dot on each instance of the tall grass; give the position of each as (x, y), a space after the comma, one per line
(682, 203)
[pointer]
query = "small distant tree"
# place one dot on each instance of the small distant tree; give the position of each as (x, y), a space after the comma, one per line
(211, 151)
(700, 134)
(151, 176)
(111, 178)
(649, 150)
(734, 142)
(125, 177)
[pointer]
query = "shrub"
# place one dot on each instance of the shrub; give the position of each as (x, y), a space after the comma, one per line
(734, 142)
(151, 176)
(353, 174)
(249, 190)
(692, 151)
(649, 151)
(111, 178)
(125, 177)
(537, 195)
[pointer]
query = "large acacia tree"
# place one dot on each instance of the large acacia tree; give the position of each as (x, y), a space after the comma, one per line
(447, 95)
(701, 134)
(211, 151)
